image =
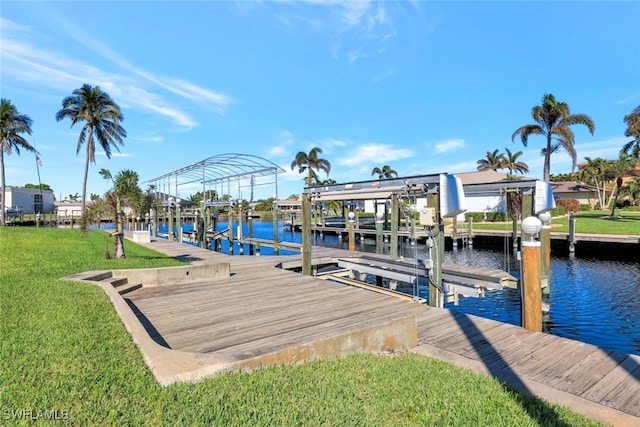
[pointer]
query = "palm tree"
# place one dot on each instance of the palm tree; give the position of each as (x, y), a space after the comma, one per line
(385, 173)
(632, 189)
(102, 117)
(125, 191)
(311, 162)
(633, 130)
(595, 173)
(553, 120)
(511, 162)
(493, 161)
(619, 168)
(13, 124)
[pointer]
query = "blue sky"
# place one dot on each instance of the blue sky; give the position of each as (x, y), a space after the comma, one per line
(425, 87)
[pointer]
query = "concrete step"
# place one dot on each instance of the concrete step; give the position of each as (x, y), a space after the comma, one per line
(118, 281)
(129, 288)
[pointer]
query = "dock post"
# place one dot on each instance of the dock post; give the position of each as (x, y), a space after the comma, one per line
(545, 255)
(206, 217)
(572, 233)
(454, 233)
(531, 284)
(393, 250)
(230, 235)
(178, 222)
(436, 251)
(214, 228)
(470, 233)
(352, 233)
(250, 227)
(170, 228)
(240, 244)
(306, 234)
(514, 232)
(276, 249)
(154, 225)
(379, 225)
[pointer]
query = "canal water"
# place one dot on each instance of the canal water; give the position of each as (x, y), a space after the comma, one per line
(593, 301)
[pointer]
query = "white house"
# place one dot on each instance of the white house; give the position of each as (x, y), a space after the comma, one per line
(28, 200)
(69, 208)
(584, 194)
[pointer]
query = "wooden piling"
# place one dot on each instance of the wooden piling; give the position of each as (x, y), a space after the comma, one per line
(393, 250)
(379, 234)
(572, 233)
(306, 234)
(531, 287)
(454, 232)
(276, 249)
(230, 235)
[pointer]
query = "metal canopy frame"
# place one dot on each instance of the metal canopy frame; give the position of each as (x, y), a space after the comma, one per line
(377, 189)
(219, 170)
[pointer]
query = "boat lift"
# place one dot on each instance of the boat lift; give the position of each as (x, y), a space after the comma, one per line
(444, 195)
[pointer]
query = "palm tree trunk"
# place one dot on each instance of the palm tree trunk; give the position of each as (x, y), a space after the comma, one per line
(616, 190)
(84, 181)
(547, 160)
(119, 243)
(2, 196)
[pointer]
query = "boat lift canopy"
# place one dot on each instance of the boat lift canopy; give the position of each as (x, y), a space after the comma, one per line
(219, 170)
(448, 187)
(541, 191)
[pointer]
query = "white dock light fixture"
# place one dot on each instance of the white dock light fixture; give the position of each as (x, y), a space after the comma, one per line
(379, 217)
(545, 217)
(531, 226)
(352, 217)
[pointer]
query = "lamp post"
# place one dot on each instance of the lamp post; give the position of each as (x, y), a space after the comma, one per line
(531, 289)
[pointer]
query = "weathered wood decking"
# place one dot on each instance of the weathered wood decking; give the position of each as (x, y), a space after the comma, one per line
(264, 310)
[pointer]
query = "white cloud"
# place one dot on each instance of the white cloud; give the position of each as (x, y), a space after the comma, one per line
(448, 145)
(362, 23)
(277, 150)
(149, 138)
(131, 87)
(374, 154)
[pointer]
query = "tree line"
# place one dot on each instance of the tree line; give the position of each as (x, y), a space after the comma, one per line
(101, 125)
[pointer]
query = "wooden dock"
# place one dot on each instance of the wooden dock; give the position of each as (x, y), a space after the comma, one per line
(263, 314)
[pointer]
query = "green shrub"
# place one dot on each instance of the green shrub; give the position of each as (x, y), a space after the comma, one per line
(585, 207)
(477, 216)
(557, 211)
(497, 216)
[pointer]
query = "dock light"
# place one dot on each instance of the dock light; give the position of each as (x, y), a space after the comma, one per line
(531, 226)
(352, 217)
(545, 217)
(379, 217)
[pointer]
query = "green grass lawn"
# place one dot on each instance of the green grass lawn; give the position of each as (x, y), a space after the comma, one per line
(63, 348)
(598, 222)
